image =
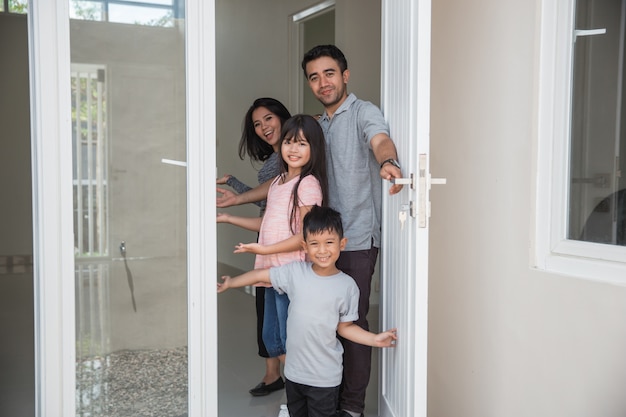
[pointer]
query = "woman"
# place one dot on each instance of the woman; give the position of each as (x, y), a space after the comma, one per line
(260, 139)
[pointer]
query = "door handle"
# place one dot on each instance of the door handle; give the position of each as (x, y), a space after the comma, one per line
(404, 181)
(410, 181)
(426, 181)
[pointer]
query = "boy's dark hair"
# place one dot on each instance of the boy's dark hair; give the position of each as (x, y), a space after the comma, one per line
(250, 143)
(322, 219)
(325, 50)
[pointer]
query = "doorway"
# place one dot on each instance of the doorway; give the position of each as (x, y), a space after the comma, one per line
(266, 77)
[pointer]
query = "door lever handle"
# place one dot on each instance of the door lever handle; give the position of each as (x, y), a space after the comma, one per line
(438, 181)
(410, 181)
(404, 181)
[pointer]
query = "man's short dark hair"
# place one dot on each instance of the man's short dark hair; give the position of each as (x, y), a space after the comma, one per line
(322, 219)
(325, 50)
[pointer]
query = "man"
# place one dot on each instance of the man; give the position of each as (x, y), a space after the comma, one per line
(359, 152)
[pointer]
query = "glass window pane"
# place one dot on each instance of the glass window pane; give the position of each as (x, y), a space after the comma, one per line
(18, 6)
(128, 113)
(138, 15)
(162, 2)
(597, 189)
(150, 13)
(87, 10)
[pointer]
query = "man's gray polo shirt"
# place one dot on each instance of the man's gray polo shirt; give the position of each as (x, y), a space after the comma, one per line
(354, 183)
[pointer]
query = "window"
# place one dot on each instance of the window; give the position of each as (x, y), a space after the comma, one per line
(581, 193)
(597, 189)
(89, 170)
(136, 12)
(14, 6)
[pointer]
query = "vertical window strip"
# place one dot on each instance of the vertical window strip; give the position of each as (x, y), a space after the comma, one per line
(78, 160)
(101, 162)
(91, 160)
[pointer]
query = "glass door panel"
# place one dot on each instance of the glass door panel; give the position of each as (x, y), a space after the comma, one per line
(128, 114)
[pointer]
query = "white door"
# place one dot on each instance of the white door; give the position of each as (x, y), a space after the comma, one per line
(120, 91)
(404, 268)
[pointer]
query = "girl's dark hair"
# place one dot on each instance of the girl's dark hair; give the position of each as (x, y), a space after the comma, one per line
(307, 127)
(322, 219)
(251, 144)
(330, 51)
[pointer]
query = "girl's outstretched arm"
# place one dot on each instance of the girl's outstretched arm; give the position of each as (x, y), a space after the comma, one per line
(249, 223)
(248, 278)
(292, 243)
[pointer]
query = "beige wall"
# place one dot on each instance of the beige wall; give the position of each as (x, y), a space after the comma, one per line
(504, 339)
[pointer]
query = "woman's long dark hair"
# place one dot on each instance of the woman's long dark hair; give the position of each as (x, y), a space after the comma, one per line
(251, 144)
(303, 125)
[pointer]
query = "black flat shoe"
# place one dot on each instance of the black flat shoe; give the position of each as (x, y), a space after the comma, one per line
(265, 389)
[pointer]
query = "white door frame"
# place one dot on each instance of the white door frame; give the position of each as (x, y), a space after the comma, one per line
(52, 208)
(405, 49)
(53, 252)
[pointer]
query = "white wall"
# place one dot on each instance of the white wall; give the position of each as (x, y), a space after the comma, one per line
(358, 35)
(504, 339)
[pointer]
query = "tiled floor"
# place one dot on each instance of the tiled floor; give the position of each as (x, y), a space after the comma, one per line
(240, 368)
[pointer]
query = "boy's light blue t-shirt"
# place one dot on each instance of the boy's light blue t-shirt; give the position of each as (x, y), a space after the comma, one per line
(317, 305)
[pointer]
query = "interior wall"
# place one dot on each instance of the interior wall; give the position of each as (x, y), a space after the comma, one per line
(17, 355)
(319, 30)
(16, 236)
(252, 61)
(504, 339)
(357, 33)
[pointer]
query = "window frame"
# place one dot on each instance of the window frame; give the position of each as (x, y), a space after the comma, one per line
(553, 251)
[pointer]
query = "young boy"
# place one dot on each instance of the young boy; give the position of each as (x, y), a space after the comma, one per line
(323, 302)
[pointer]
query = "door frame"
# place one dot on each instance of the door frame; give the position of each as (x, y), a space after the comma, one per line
(405, 100)
(53, 263)
(48, 23)
(53, 255)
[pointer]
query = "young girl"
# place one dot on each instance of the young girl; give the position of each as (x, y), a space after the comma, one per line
(260, 140)
(301, 184)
